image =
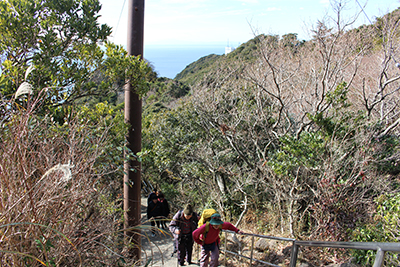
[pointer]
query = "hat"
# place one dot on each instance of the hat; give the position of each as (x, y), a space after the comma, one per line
(188, 210)
(216, 219)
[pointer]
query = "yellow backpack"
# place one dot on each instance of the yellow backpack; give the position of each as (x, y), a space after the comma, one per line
(206, 216)
(205, 219)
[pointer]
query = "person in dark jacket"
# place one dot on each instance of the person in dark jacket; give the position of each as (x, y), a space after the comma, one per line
(165, 210)
(154, 213)
(182, 226)
(151, 195)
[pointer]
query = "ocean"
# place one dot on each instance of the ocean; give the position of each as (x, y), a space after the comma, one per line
(169, 60)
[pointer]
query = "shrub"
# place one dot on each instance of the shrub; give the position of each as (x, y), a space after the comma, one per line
(59, 193)
(383, 227)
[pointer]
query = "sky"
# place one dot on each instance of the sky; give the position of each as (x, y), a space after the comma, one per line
(230, 22)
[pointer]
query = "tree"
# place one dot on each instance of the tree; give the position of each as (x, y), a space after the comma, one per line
(62, 40)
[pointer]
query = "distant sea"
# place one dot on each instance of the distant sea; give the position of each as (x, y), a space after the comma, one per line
(169, 60)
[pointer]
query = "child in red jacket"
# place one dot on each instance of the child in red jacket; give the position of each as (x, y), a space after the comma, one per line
(209, 241)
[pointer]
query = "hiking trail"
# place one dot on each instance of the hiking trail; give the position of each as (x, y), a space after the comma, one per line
(158, 249)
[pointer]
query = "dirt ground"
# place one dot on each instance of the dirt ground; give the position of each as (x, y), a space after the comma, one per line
(158, 250)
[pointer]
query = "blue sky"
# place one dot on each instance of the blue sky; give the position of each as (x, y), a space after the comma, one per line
(207, 22)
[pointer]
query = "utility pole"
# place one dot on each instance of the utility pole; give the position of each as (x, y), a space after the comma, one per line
(133, 116)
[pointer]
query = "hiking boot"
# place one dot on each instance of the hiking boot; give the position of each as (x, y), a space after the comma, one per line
(173, 253)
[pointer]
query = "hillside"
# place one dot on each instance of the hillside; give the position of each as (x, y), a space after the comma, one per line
(196, 71)
(301, 136)
(190, 74)
(250, 50)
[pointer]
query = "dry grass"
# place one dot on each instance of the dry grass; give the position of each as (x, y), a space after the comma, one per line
(55, 209)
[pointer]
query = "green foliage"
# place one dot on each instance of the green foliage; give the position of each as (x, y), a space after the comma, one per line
(46, 244)
(248, 51)
(58, 37)
(121, 68)
(162, 92)
(206, 68)
(334, 121)
(104, 119)
(171, 192)
(307, 151)
(194, 72)
(169, 138)
(61, 40)
(383, 227)
(338, 97)
(386, 150)
(289, 39)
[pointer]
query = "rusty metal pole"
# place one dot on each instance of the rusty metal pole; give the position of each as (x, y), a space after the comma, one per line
(133, 116)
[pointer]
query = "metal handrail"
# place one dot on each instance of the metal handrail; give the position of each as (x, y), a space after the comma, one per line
(380, 248)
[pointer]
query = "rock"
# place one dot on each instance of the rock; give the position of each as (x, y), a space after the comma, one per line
(265, 244)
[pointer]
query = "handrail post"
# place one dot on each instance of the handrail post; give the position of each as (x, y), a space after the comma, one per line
(251, 253)
(293, 257)
(380, 255)
(226, 241)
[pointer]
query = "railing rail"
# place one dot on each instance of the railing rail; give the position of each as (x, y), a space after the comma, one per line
(380, 248)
